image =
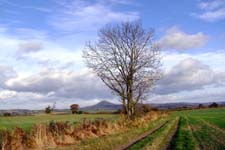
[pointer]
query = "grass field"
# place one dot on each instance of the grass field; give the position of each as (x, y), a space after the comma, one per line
(26, 122)
(201, 129)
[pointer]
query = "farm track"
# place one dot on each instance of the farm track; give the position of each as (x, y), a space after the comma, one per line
(197, 146)
(163, 140)
(170, 146)
(143, 136)
(183, 139)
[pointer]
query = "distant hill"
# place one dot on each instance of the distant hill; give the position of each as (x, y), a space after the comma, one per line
(181, 105)
(16, 112)
(102, 106)
(173, 105)
(108, 106)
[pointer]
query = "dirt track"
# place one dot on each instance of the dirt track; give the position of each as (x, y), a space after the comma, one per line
(142, 136)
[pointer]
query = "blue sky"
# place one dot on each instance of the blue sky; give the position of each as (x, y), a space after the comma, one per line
(41, 44)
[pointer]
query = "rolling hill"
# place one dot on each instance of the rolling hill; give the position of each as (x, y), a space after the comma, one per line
(102, 106)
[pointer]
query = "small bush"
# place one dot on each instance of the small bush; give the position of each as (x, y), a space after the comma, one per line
(48, 110)
(143, 109)
(213, 105)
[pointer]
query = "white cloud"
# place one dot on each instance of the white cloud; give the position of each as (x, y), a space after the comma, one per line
(56, 56)
(28, 34)
(82, 85)
(209, 94)
(30, 46)
(213, 15)
(3, 29)
(38, 53)
(212, 10)
(5, 94)
(29, 100)
(188, 75)
(62, 85)
(5, 74)
(84, 16)
(179, 40)
(210, 5)
(214, 58)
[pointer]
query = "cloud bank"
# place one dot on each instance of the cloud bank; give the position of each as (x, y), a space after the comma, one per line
(178, 40)
(212, 10)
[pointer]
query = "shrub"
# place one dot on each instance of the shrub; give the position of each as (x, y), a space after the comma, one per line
(48, 110)
(80, 112)
(143, 109)
(200, 106)
(213, 105)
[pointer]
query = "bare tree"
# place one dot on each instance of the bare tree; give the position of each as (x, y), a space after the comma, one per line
(126, 60)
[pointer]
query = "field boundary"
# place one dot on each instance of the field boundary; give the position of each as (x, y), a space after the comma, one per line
(142, 136)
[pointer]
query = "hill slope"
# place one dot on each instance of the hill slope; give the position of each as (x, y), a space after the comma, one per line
(102, 106)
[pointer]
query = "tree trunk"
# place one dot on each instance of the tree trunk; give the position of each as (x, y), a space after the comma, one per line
(130, 109)
(131, 114)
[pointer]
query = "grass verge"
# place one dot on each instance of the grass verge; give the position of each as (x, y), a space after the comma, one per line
(115, 140)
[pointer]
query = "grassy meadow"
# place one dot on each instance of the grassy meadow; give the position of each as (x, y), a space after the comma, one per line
(26, 122)
(201, 129)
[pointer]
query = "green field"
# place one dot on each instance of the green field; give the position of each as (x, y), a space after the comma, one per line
(201, 129)
(214, 117)
(26, 122)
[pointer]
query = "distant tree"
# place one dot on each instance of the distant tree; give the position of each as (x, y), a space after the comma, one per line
(74, 108)
(143, 109)
(80, 112)
(127, 60)
(7, 114)
(184, 107)
(48, 109)
(213, 105)
(200, 106)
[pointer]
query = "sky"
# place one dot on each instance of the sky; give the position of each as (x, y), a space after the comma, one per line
(41, 43)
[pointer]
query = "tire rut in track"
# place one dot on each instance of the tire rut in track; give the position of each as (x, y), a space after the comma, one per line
(197, 146)
(172, 135)
(141, 137)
